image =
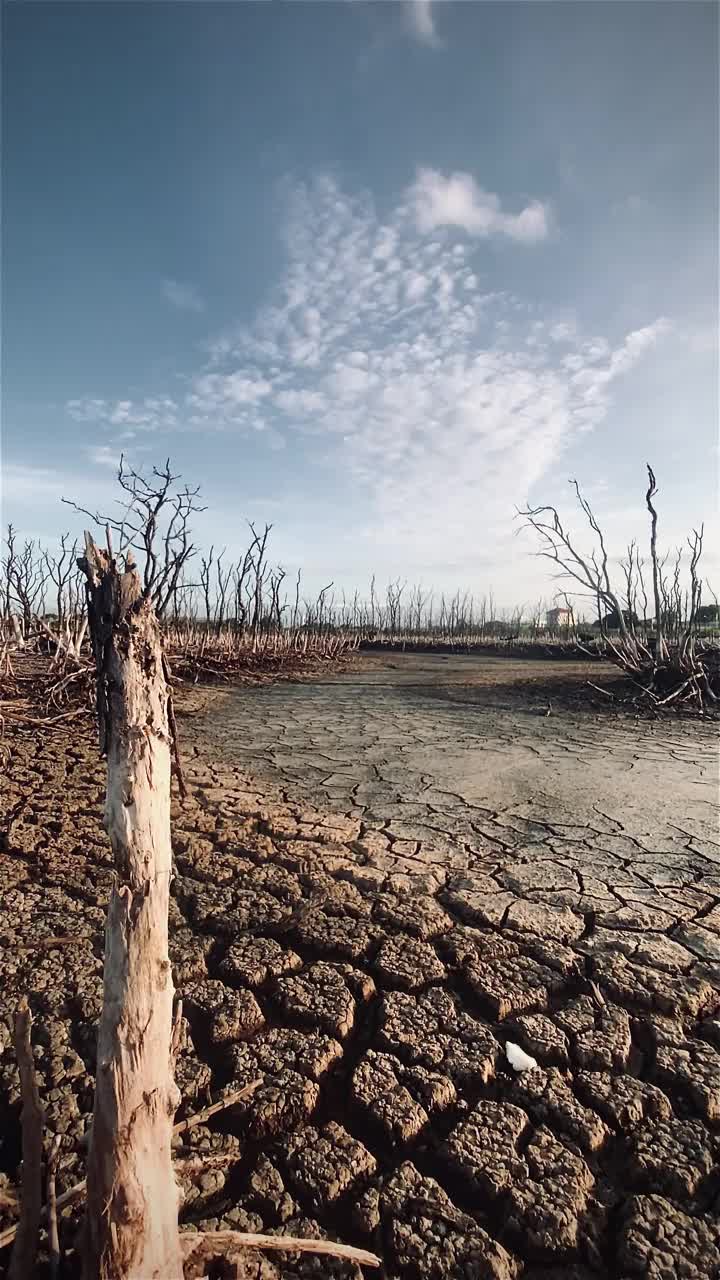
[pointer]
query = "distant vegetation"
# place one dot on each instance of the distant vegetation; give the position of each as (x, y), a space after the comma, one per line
(219, 613)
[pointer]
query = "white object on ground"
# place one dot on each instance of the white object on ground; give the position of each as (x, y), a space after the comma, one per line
(519, 1060)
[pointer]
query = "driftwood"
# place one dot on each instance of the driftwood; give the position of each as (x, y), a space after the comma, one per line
(24, 1252)
(213, 1108)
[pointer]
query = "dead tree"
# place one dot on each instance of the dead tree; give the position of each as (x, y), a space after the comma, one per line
(131, 1227)
(393, 597)
(695, 544)
(239, 576)
(25, 581)
(591, 571)
(206, 564)
(154, 521)
(651, 491)
(276, 608)
(61, 569)
(261, 572)
(296, 605)
(223, 582)
(667, 673)
(8, 567)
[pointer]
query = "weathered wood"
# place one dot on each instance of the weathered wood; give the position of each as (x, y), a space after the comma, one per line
(131, 1228)
(213, 1108)
(200, 1245)
(22, 1262)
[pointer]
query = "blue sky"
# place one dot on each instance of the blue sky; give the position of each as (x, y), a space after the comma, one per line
(375, 272)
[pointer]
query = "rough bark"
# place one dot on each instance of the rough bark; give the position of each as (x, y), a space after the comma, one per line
(131, 1230)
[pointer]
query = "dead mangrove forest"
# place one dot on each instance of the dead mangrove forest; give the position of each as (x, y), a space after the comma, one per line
(223, 615)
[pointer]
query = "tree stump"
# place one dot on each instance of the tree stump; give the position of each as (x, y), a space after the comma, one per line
(131, 1227)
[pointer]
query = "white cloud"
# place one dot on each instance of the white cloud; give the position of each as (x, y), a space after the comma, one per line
(593, 378)
(23, 484)
(636, 343)
(154, 413)
(183, 296)
(562, 331)
(303, 402)
(458, 201)
(421, 21)
(444, 402)
(103, 456)
(214, 392)
(32, 495)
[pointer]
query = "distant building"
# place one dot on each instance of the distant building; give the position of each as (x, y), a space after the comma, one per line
(556, 619)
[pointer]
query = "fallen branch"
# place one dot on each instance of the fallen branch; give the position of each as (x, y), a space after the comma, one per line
(188, 1163)
(74, 1193)
(24, 1253)
(42, 723)
(43, 944)
(606, 692)
(214, 1242)
(671, 697)
(238, 1095)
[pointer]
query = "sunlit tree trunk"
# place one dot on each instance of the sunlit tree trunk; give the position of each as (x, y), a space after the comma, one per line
(132, 1198)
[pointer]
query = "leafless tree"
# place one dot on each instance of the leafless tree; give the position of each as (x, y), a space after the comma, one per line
(296, 605)
(651, 492)
(629, 567)
(695, 543)
(591, 570)
(8, 568)
(154, 520)
(206, 564)
(63, 571)
(276, 608)
(222, 584)
(260, 571)
(25, 580)
(665, 675)
(241, 591)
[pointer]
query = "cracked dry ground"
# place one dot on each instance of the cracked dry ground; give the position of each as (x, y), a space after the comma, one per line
(420, 871)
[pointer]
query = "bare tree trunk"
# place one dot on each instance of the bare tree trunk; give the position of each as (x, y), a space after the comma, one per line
(651, 491)
(22, 1262)
(132, 1198)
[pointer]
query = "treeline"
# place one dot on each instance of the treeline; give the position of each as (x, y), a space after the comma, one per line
(647, 611)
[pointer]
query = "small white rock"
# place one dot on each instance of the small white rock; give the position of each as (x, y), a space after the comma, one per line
(519, 1060)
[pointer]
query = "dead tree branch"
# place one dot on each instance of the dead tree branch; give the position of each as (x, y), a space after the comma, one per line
(22, 1262)
(153, 521)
